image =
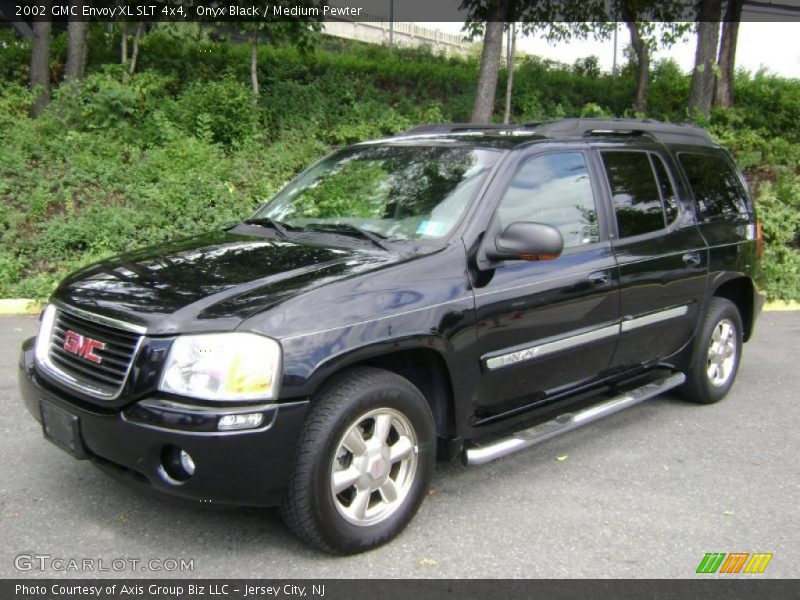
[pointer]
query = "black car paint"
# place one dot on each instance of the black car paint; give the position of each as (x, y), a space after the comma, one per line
(333, 301)
(230, 462)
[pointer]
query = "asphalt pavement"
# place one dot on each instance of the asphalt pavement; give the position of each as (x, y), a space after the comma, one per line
(644, 493)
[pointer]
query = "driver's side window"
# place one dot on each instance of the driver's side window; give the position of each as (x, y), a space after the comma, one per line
(553, 189)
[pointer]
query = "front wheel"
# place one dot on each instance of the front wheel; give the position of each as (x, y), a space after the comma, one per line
(716, 355)
(364, 461)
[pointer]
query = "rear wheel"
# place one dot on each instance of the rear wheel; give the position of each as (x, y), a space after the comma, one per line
(364, 461)
(717, 352)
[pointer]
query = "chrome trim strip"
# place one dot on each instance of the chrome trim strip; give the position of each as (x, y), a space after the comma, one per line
(103, 320)
(537, 351)
(657, 317)
(46, 365)
(533, 351)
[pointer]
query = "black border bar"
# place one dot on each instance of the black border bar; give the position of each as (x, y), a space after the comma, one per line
(738, 588)
(527, 11)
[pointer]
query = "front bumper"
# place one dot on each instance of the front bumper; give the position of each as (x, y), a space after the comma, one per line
(249, 467)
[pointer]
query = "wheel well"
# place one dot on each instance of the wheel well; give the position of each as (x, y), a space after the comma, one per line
(740, 291)
(426, 369)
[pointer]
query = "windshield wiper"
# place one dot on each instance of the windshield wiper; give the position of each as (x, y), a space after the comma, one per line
(269, 222)
(346, 228)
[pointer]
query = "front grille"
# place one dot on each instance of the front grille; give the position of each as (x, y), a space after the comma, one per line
(104, 378)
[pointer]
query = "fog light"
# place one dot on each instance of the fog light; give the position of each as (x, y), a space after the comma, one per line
(177, 465)
(241, 421)
(187, 463)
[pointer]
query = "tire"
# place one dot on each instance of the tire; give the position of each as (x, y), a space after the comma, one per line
(716, 355)
(379, 486)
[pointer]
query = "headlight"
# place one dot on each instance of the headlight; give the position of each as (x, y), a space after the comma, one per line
(223, 366)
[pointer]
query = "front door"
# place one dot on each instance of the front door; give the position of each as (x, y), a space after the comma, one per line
(547, 326)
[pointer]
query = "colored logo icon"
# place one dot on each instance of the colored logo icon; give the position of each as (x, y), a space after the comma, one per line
(734, 562)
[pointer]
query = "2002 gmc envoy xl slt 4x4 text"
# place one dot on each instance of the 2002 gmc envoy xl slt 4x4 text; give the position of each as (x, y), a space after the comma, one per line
(428, 294)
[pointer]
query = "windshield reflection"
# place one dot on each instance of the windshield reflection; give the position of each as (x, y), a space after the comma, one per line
(394, 192)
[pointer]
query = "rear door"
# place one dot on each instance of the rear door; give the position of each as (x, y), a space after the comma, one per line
(725, 211)
(662, 258)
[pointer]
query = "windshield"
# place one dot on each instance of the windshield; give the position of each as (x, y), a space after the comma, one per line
(393, 192)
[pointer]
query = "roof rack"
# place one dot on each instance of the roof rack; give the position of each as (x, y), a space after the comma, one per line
(583, 127)
(658, 130)
(445, 128)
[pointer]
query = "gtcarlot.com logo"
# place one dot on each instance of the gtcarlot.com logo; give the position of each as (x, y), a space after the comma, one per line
(734, 562)
(46, 562)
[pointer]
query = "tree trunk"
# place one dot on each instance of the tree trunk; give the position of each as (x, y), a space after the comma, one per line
(726, 63)
(643, 67)
(490, 65)
(123, 44)
(703, 78)
(512, 51)
(135, 49)
(254, 64)
(40, 65)
(76, 46)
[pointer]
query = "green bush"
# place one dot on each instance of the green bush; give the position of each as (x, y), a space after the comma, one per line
(179, 148)
(219, 111)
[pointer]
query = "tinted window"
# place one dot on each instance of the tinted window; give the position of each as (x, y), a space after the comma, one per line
(635, 192)
(717, 189)
(665, 185)
(553, 189)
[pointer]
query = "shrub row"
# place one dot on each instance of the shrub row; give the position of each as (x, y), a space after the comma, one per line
(118, 162)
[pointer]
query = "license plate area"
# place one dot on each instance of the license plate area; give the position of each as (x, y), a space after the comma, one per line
(63, 429)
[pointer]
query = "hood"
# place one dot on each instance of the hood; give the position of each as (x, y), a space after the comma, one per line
(209, 282)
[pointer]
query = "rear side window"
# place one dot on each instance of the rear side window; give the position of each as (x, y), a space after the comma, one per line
(717, 188)
(635, 192)
(667, 192)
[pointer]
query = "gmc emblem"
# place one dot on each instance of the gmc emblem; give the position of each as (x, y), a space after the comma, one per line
(83, 346)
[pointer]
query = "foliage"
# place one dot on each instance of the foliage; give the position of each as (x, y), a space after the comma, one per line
(216, 111)
(178, 148)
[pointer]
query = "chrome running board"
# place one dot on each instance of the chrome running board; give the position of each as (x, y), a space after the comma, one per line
(526, 438)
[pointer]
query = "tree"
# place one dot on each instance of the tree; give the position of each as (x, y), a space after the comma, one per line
(651, 24)
(511, 48)
(40, 64)
(123, 43)
(76, 45)
(495, 12)
(703, 78)
(275, 28)
(490, 16)
(137, 39)
(647, 36)
(723, 95)
(641, 50)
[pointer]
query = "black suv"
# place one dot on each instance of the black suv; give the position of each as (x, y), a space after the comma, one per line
(429, 294)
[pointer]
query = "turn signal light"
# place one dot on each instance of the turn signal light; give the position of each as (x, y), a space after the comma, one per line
(241, 421)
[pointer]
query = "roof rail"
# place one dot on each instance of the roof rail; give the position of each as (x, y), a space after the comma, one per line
(658, 130)
(444, 128)
(586, 127)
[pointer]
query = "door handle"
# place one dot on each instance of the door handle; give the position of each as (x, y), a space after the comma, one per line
(691, 259)
(599, 278)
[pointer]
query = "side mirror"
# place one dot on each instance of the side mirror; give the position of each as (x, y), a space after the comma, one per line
(526, 241)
